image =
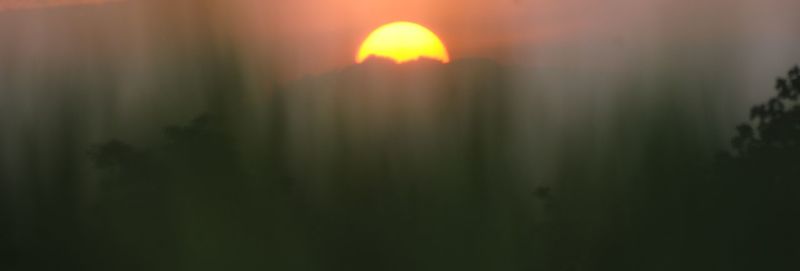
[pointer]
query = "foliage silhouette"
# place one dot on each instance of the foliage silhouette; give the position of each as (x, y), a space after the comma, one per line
(758, 192)
(200, 144)
(775, 126)
(149, 196)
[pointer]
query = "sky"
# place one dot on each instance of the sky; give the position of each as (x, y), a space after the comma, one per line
(604, 42)
(313, 36)
(329, 30)
(317, 35)
(569, 44)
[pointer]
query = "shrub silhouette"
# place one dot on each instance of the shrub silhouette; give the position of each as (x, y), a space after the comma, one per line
(757, 196)
(190, 179)
(767, 146)
(199, 145)
(775, 125)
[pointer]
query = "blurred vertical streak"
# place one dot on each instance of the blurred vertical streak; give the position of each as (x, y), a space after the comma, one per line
(75, 76)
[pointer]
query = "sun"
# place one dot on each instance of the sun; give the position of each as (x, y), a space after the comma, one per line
(403, 42)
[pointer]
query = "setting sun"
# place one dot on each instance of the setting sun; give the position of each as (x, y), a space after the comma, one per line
(403, 42)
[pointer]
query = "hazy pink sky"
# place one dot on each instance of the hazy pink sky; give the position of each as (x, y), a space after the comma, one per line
(315, 35)
(312, 36)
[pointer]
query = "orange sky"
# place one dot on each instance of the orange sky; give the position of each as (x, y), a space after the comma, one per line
(314, 36)
(318, 35)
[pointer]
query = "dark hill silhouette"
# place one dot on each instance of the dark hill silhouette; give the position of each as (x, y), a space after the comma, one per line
(380, 114)
(377, 165)
(386, 166)
(422, 166)
(410, 166)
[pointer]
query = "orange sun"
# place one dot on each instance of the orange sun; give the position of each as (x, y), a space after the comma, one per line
(403, 42)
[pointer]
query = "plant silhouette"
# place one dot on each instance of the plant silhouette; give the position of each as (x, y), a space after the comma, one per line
(775, 126)
(758, 193)
(190, 181)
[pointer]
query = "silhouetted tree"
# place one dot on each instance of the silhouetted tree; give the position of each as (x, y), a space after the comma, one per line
(149, 194)
(767, 147)
(775, 125)
(199, 145)
(758, 196)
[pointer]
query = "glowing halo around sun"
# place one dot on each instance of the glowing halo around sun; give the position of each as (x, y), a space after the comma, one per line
(403, 42)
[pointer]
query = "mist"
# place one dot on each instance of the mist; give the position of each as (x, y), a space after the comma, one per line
(565, 135)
